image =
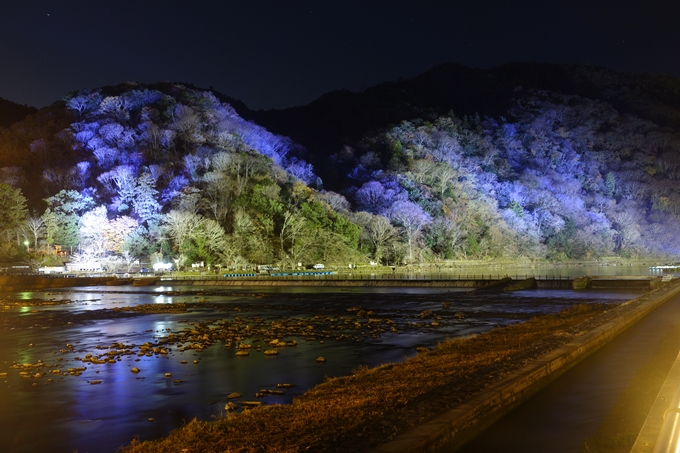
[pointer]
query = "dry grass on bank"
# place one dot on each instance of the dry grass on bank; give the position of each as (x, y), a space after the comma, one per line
(353, 413)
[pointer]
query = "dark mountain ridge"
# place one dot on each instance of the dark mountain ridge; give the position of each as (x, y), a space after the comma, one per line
(342, 117)
(11, 112)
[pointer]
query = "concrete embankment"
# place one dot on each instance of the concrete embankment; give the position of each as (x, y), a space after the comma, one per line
(31, 282)
(452, 429)
(336, 283)
(485, 284)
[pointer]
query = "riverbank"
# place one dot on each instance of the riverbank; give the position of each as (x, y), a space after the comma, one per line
(374, 406)
(457, 274)
(525, 263)
(33, 282)
(336, 283)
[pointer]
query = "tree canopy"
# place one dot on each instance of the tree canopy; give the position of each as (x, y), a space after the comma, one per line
(171, 172)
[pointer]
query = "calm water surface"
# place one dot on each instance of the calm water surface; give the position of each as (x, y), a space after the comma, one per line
(71, 414)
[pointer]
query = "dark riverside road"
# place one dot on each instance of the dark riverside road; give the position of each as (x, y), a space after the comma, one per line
(560, 417)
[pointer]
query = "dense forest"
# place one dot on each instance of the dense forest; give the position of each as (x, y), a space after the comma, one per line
(557, 164)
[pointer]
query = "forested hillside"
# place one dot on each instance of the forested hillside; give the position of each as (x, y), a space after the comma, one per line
(570, 178)
(581, 169)
(169, 171)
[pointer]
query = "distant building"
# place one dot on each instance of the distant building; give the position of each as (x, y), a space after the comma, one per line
(51, 270)
(87, 266)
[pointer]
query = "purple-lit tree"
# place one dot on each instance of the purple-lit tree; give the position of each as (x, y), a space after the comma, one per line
(301, 170)
(136, 99)
(257, 137)
(114, 106)
(83, 101)
(174, 189)
(122, 180)
(187, 124)
(370, 197)
(83, 173)
(376, 197)
(106, 156)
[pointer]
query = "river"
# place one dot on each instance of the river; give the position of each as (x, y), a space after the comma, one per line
(103, 406)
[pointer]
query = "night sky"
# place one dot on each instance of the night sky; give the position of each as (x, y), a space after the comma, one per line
(274, 54)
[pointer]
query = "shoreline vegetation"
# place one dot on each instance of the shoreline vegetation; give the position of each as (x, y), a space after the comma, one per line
(373, 406)
(168, 173)
(412, 275)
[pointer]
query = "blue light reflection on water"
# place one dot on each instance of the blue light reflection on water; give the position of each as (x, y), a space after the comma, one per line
(84, 417)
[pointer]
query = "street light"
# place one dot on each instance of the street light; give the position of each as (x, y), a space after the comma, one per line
(26, 244)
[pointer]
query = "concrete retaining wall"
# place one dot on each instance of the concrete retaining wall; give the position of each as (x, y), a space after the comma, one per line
(29, 282)
(621, 284)
(554, 284)
(529, 283)
(335, 283)
(453, 429)
(25, 282)
(557, 283)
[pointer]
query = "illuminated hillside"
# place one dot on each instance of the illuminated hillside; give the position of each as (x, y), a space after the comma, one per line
(582, 167)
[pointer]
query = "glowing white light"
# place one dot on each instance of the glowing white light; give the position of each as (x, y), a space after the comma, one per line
(162, 266)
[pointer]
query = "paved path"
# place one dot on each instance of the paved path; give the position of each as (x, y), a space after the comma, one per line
(571, 409)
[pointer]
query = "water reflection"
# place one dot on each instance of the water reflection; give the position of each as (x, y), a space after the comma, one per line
(162, 300)
(73, 413)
